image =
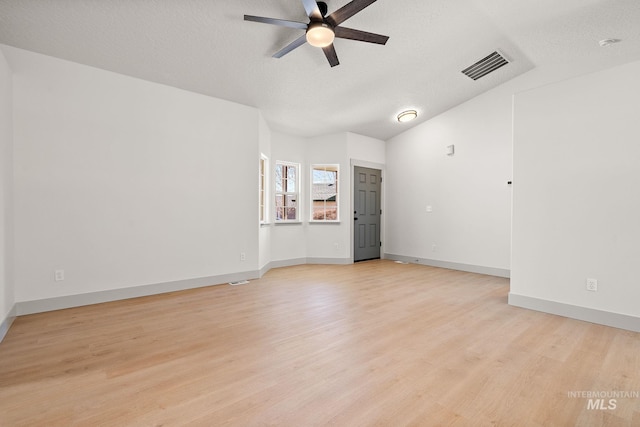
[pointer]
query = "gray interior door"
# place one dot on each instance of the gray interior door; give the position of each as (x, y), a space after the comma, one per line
(366, 218)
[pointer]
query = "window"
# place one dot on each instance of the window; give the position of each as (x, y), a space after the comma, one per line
(287, 185)
(262, 203)
(324, 193)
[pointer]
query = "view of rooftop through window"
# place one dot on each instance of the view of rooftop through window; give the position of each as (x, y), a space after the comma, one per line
(324, 192)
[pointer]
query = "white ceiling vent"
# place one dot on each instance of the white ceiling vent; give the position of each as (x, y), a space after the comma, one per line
(485, 66)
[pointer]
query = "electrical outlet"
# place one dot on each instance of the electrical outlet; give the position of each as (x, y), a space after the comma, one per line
(59, 275)
(243, 256)
(592, 285)
(433, 247)
(337, 245)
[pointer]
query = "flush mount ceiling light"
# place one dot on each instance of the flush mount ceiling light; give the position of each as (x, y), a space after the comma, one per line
(407, 116)
(320, 34)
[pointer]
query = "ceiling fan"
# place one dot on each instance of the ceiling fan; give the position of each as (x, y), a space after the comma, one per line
(322, 29)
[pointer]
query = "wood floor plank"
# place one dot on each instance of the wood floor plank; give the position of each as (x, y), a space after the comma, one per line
(371, 344)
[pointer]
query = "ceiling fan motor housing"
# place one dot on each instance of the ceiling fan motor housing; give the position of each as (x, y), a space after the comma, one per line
(323, 8)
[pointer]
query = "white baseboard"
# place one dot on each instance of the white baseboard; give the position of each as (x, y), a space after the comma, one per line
(285, 263)
(265, 268)
(330, 261)
(616, 320)
(6, 323)
(607, 318)
(491, 271)
(302, 261)
(69, 301)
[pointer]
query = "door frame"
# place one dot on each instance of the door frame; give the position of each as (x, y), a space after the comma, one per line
(381, 168)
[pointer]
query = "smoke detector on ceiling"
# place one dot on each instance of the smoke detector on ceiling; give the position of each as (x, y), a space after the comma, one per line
(608, 42)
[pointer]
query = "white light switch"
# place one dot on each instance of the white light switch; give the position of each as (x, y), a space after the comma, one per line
(429, 208)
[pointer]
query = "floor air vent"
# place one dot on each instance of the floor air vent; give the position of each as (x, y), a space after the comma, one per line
(485, 66)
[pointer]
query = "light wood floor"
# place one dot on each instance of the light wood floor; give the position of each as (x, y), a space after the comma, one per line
(370, 344)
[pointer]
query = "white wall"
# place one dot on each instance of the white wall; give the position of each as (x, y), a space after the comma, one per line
(468, 193)
(320, 242)
(470, 199)
(122, 182)
(288, 241)
(7, 297)
(576, 207)
(264, 237)
(364, 149)
(329, 240)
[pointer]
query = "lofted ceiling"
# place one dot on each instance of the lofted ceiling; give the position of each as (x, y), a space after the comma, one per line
(205, 46)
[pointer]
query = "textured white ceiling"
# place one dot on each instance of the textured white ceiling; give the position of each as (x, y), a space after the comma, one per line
(205, 46)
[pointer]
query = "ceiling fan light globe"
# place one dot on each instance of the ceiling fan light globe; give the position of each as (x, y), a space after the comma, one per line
(320, 35)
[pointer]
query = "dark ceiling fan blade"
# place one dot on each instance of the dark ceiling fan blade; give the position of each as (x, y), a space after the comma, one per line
(312, 9)
(363, 36)
(347, 11)
(281, 22)
(288, 48)
(332, 56)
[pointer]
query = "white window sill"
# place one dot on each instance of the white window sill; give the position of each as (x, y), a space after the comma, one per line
(316, 221)
(288, 223)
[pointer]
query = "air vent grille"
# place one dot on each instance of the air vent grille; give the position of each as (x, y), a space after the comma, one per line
(485, 66)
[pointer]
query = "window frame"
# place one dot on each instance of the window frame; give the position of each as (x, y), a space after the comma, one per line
(296, 195)
(326, 167)
(263, 189)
